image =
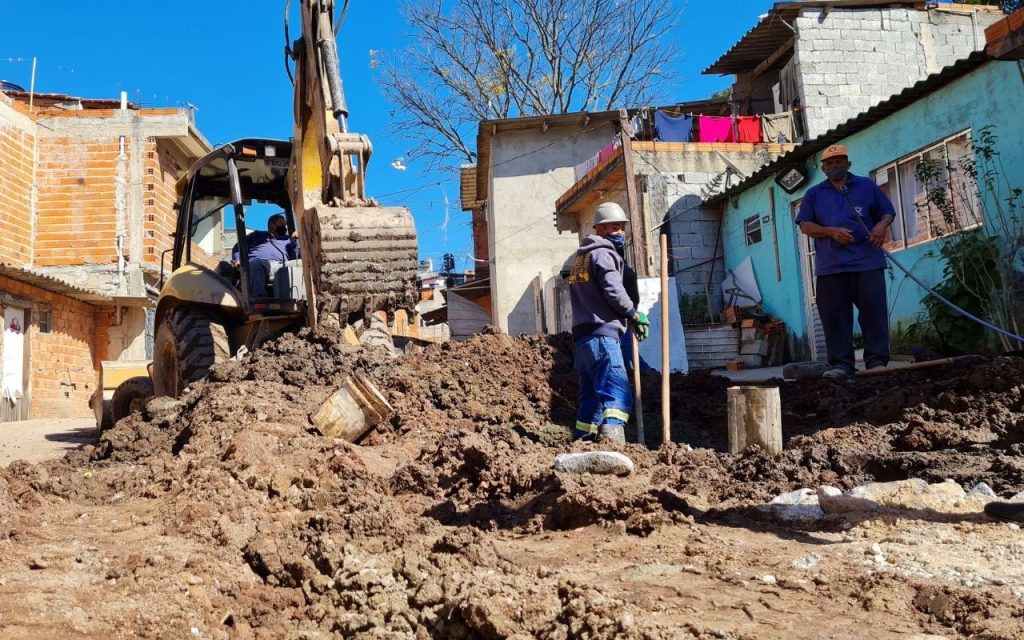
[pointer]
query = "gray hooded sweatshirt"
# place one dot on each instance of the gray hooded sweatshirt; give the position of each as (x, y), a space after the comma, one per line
(600, 305)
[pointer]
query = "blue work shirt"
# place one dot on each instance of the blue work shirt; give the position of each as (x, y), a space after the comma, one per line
(263, 247)
(858, 211)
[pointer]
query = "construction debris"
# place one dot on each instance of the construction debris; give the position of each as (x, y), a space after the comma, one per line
(227, 513)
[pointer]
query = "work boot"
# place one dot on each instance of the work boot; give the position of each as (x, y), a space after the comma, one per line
(1006, 510)
(612, 433)
(836, 373)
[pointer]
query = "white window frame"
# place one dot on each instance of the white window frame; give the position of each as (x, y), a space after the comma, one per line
(900, 223)
(752, 228)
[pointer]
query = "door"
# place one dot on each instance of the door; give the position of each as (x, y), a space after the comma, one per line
(815, 332)
(13, 404)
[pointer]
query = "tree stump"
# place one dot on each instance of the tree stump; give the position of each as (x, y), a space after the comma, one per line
(755, 417)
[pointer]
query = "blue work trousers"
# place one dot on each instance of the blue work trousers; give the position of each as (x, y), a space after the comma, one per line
(605, 397)
(837, 295)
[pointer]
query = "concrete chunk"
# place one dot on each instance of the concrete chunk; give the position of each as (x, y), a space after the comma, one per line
(596, 462)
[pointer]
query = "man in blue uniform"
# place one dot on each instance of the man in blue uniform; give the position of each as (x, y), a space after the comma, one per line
(268, 251)
(848, 216)
(600, 310)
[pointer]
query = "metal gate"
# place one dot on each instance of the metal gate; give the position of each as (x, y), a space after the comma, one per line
(815, 331)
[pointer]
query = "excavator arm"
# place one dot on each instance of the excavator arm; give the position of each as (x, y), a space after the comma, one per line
(358, 257)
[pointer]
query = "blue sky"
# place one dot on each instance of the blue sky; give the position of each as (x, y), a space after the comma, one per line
(226, 58)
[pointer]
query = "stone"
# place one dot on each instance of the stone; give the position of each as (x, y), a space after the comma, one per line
(1018, 497)
(596, 462)
(769, 580)
(981, 490)
(914, 493)
(795, 506)
(832, 500)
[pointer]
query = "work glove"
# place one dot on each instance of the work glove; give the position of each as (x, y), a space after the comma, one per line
(641, 326)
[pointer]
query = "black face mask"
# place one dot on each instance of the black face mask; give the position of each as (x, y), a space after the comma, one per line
(280, 232)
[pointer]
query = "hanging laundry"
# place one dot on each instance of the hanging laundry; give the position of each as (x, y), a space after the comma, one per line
(714, 129)
(749, 128)
(636, 125)
(778, 127)
(584, 167)
(606, 152)
(670, 128)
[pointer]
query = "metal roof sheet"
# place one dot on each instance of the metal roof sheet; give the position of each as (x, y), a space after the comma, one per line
(54, 285)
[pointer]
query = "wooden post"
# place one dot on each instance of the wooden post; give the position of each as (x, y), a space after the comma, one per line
(637, 228)
(755, 417)
(638, 400)
(666, 368)
(775, 234)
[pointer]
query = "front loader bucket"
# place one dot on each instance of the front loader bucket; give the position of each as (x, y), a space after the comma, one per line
(360, 260)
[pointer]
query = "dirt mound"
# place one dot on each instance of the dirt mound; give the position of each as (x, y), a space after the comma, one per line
(411, 533)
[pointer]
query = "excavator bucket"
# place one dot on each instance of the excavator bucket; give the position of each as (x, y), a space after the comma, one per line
(360, 260)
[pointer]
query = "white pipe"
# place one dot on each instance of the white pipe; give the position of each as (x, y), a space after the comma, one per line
(124, 100)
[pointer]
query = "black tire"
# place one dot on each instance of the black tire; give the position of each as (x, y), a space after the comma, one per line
(187, 343)
(130, 396)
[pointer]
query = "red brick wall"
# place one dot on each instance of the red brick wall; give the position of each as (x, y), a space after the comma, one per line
(77, 215)
(480, 252)
(15, 194)
(63, 364)
(161, 171)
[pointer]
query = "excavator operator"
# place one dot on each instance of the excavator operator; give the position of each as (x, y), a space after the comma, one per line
(268, 251)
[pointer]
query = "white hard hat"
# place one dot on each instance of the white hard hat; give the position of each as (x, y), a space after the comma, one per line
(609, 212)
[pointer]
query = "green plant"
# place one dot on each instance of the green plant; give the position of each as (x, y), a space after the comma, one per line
(915, 338)
(694, 309)
(982, 264)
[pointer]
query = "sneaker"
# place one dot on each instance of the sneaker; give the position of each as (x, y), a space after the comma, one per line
(612, 433)
(836, 373)
(877, 365)
(1013, 511)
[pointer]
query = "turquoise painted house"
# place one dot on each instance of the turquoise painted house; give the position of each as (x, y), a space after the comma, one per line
(937, 118)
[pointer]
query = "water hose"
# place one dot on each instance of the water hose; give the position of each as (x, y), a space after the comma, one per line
(950, 304)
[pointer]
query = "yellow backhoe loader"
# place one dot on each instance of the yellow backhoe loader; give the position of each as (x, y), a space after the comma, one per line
(355, 257)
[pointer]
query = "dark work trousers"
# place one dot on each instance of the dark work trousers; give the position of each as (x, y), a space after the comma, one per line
(837, 294)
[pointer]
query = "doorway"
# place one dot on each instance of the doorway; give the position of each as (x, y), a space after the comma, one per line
(14, 403)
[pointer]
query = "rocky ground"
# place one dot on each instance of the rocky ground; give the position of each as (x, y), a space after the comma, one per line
(226, 515)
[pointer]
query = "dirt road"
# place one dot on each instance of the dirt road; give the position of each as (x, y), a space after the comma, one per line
(38, 440)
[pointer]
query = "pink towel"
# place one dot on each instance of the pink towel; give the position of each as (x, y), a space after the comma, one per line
(715, 129)
(606, 152)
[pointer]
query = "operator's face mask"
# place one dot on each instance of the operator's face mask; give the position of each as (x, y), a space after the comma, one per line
(280, 231)
(618, 241)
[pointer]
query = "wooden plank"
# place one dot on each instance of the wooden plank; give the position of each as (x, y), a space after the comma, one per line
(637, 229)
(773, 58)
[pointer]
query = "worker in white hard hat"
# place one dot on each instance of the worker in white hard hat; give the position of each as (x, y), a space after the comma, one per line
(601, 310)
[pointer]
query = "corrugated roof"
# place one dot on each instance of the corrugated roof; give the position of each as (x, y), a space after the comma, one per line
(54, 285)
(773, 31)
(862, 121)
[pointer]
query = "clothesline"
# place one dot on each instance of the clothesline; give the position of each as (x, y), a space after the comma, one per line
(773, 127)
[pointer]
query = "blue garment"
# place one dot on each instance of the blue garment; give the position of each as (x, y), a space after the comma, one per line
(264, 247)
(837, 295)
(605, 397)
(600, 304)
(669, 128)
(827, 206)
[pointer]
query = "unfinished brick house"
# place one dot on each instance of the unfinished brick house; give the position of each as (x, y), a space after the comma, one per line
(86, 204)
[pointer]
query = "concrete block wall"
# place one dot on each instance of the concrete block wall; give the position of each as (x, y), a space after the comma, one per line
(851, 59)
(17, 137)
(64, 363)
(674, 185)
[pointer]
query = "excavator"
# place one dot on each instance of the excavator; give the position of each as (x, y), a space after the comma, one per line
(356, 259)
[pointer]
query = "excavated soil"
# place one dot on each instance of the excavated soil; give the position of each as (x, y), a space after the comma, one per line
(226, 515)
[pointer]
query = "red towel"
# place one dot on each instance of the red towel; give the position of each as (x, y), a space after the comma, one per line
(750, 128)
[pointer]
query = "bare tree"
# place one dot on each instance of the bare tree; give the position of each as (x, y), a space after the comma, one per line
(486, 59)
